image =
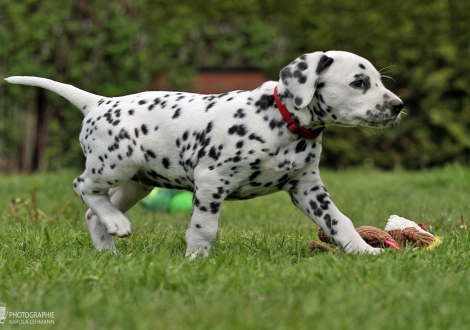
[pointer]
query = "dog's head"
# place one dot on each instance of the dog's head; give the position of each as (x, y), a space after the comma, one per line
(340, 88)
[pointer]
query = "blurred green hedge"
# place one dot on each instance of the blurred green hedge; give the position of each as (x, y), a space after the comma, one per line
(117, 47)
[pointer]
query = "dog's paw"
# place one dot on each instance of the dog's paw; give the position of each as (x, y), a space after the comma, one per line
(106, 246)
(99, 235)
(374, 251)
(362, 249)
(194, 251)
(122, 230)
(103, 243)
(119, 226)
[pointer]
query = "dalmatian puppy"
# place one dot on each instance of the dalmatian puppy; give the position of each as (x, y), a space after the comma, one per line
(230, 146)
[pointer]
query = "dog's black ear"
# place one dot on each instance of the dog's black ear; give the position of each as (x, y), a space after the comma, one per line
(323, 63)
(300, 77)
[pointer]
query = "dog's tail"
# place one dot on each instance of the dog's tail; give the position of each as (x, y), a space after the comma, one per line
(81, 99)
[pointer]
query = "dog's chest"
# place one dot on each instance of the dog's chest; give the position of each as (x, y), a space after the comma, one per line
(281, 169)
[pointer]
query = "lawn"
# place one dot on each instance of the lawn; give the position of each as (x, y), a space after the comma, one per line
(260, 273)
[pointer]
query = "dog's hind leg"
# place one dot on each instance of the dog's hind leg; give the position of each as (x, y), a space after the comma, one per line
(93, 187)
(123, 197)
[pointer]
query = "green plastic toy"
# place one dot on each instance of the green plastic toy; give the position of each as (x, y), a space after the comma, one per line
(168, 200)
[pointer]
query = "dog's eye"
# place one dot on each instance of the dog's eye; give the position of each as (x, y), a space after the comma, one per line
(359, 83)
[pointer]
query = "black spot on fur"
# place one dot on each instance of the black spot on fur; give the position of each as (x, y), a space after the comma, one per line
(237, 129)
(144, 129)
(215, 206)
(327, 219)
(166, 162)
(176, 114)
(210, 105)
(273, 123)
(239, 114)
(202, 152)
(253, 136)
(282, 181)
(254, 175)
(323, 200)
(255, 164)
(130, 151)
(301, 146)
(265, 101)
(150, 154)
(286, 73)
(302, 66)
(316, 210)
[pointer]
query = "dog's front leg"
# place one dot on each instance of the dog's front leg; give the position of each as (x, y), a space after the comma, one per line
(313, 199)
(123, 197)
(209, 194)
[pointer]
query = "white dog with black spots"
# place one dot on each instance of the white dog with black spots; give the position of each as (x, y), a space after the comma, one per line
(236, 145)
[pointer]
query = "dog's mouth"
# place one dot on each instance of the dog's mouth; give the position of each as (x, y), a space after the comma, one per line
(382, 123)
(376, 122)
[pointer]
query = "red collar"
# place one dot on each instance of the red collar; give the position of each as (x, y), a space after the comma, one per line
(291, 125)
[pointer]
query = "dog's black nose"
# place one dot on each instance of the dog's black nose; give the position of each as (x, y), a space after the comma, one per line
(397, 106)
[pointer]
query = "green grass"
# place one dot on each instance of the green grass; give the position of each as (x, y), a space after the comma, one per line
(260, 273)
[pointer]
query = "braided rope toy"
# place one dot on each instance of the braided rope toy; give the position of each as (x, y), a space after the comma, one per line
(397, 230)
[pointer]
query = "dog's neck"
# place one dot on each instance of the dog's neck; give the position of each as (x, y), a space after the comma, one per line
(304, 117)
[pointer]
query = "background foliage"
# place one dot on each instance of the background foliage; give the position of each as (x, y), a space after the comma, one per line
(115, 48)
